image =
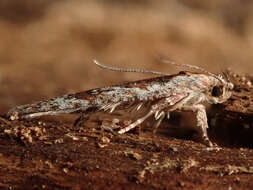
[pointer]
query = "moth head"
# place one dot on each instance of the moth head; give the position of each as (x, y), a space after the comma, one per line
(221, 89)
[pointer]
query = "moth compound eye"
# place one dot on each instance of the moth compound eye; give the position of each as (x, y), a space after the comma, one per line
(217, 91)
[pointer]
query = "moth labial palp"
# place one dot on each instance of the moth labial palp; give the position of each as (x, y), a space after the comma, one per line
(187, 90)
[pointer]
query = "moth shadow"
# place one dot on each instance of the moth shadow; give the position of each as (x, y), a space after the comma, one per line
(223, 132)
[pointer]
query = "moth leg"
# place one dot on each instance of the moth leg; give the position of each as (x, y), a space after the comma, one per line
(81, 120)
(160, 118)
(139, 121)
(168, 115)
(201, 122)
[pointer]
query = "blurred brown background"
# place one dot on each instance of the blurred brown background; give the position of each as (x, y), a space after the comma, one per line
(47, 46)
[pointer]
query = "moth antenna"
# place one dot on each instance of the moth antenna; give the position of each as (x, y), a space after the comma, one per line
(118, 69)
(226, 76)
(192, 67)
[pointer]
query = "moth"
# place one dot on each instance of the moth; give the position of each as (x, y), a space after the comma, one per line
(186, 91)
